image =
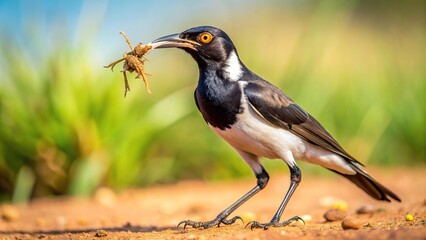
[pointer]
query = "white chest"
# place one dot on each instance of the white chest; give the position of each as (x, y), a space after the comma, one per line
(251, 133)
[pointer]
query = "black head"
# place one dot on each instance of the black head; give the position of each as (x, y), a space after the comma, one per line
(207, 45)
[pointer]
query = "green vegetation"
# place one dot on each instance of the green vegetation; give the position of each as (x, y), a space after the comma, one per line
(66, 128)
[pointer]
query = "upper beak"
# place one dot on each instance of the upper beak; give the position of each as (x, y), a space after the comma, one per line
(172, 41)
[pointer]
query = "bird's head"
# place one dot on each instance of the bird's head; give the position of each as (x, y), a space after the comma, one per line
(209, 46)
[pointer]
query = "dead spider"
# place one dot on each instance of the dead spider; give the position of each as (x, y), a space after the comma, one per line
(133, 61)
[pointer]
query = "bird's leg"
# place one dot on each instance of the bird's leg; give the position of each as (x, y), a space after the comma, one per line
(295, 177)
(262, 181)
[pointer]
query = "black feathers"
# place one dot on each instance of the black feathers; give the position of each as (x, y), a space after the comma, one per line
(218, 101)
(274, 106)
(370, 186)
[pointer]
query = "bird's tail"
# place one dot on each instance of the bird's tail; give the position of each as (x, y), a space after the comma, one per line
(369, 185)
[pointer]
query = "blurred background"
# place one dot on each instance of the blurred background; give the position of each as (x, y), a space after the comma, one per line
(358, 66)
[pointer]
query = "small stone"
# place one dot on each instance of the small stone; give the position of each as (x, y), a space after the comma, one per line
(101, 233)
(350, 223)
(248, 216)
(409, 217)
(341, 205)
(9, 213)
(366, 209)
(334, 215)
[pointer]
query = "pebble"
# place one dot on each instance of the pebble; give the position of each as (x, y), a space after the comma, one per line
(9, 213)
(409, 217)
(350, 223)
(334, 215)
(366, 209)
(101, 233)
(248, 216)
(341, 205)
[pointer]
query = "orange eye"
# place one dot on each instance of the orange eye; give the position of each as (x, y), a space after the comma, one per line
(206, 37)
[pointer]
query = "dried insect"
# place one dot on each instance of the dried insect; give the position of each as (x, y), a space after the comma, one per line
(133, 61)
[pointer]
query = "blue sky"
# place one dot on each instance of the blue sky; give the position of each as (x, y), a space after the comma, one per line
(38, 23)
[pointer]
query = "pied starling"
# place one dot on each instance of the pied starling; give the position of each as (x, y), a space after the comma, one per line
(259, 120)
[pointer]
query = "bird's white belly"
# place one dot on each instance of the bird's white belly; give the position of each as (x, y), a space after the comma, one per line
(253, 134)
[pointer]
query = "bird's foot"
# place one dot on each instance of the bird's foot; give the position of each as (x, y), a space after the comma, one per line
(264, 226)
(216, 222)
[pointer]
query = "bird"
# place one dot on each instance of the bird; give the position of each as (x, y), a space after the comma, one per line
(260, 121)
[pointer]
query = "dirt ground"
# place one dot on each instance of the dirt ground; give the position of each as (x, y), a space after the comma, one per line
(152, 213)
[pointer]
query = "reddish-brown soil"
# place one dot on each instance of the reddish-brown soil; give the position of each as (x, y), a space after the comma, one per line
(152, 213)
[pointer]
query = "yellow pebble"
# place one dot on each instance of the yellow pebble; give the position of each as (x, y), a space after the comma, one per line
(340, 205)
(248, 216)
(409, 217)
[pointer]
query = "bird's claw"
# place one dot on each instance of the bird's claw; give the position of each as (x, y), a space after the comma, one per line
(230, 221)
(265, 226)
(190, 223)
(216, 222)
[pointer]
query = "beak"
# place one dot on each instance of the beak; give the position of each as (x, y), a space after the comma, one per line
(174, 41)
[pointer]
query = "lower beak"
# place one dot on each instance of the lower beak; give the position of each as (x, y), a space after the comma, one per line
(173, 41)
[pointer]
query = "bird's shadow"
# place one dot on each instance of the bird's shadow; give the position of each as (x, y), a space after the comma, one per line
(125, 228)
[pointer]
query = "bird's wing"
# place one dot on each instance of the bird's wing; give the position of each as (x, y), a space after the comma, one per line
(278, 109)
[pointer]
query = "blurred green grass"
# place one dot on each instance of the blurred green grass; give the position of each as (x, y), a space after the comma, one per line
(66, 128)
